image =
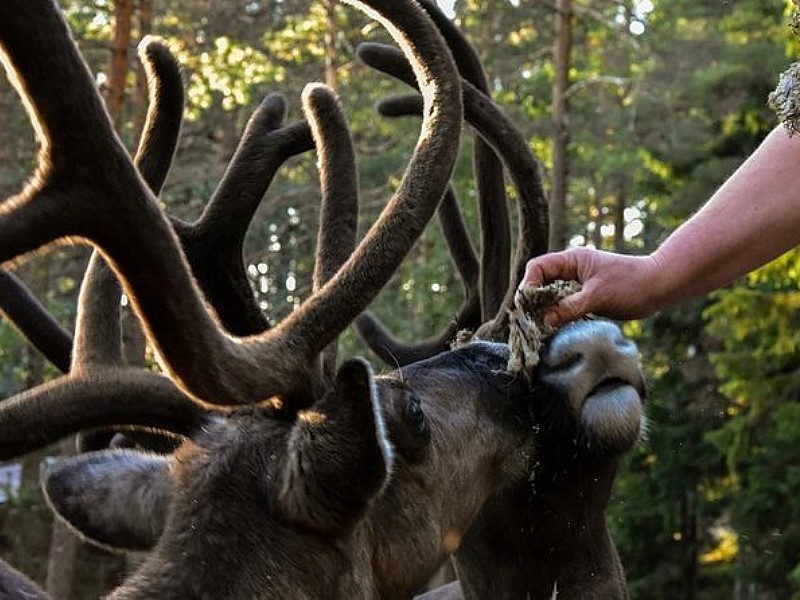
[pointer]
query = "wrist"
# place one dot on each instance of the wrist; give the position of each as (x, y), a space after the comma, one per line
(669, 282)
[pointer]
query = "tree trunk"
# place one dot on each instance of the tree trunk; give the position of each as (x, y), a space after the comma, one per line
(331, 59)
(619, 216)
(118, 65)
(562, 50)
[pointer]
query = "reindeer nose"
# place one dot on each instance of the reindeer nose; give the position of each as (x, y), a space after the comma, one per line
(588, 342)
(586, 355)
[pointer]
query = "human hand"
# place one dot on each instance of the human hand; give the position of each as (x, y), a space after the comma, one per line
(616, 286)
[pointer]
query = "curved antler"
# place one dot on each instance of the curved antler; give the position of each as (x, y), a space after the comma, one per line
(70, 196)
(34, 321)
(391, 349)
(338, 221)
(98, 335)
(66, 405)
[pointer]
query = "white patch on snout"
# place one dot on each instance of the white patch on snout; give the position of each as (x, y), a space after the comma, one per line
(614, 415)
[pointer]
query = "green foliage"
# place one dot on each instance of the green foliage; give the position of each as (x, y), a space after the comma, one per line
(757, 325)
(671, 493)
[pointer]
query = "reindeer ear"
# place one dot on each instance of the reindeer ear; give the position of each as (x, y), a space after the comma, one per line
(117, 499)
(339, 456)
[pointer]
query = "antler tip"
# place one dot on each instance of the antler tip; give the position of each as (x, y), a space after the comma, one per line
(151, 44)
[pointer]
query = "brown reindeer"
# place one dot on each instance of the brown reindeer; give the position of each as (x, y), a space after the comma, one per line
(545, 535)
(294, 482)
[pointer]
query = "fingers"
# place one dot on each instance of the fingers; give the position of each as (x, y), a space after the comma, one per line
(613, 285)
(549, 267)
(568, 309)
(563, 265)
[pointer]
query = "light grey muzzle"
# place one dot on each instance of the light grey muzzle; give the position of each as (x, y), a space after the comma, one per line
(597, 370)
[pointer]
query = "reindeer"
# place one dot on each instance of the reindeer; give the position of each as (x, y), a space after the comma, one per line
(544, 535)
(295, 481)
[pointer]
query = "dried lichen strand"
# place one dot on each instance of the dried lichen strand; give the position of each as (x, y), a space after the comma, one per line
(785, 99)
(527, 328)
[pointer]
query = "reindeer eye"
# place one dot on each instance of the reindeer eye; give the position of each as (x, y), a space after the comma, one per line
(415, 415)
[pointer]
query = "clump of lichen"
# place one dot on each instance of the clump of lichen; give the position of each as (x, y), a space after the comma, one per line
(527, 327)
(785, 99)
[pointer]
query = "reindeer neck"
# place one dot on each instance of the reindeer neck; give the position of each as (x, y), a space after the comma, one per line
(544, 534)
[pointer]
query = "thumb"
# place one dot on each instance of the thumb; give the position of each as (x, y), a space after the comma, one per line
(568, 309)
(549, 267)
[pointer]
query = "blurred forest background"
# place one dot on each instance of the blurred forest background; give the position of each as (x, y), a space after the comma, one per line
(638, 110)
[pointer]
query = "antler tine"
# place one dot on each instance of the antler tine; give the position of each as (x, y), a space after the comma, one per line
(98, 332)
(67, 199)
(98, 337)
(391, 349)
(162, 125)
(338, 220)
(34, 321)
(214, 243)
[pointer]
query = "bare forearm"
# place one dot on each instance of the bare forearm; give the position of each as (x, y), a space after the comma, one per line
(753, 218)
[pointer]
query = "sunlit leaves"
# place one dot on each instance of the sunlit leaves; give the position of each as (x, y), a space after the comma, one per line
(302, 37)
(89, 21)
(226, 73)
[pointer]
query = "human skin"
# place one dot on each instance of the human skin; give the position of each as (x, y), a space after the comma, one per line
(751, 219)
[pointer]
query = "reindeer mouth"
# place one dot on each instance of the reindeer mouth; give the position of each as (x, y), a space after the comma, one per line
(613, 412)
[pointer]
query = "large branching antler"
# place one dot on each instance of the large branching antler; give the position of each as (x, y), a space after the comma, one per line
(498, 131)
(87, 187)
(98, 334)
